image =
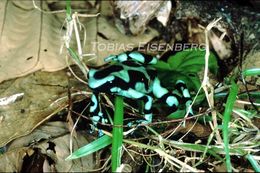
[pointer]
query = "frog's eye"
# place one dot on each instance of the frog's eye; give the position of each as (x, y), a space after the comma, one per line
(122, 57)
(137, 56)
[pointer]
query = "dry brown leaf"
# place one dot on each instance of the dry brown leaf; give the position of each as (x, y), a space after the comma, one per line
(40, 90)
(47, 131)
(30, 40)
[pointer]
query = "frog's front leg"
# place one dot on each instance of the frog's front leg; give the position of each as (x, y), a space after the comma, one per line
(172, 100)
(148, 100)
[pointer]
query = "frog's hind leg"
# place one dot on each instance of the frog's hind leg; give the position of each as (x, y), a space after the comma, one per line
(186, 98)
(96, 114)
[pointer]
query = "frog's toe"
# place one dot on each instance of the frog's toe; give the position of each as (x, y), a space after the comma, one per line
(148, 118)
(142, 122)
(129, 124)
(100, 133)
(95, 119)
(139, 122)
(92, 129)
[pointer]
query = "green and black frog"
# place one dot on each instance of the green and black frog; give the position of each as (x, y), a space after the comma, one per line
(133, 76)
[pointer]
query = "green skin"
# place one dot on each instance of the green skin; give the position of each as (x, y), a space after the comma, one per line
(132, 76)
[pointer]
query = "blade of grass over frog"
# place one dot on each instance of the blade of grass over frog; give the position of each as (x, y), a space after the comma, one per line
(251, 72)
(227, 114)
(68, 10)
(92, 147)
(253, 162)
(255, 94)
(117, 138)
(77, 60)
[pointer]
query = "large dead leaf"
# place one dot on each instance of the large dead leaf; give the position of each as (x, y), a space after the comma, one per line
(30, 40)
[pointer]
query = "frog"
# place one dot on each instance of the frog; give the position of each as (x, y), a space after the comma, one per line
(132, 75)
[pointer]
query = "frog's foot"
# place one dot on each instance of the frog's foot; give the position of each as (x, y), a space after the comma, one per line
(100, 133)
(148, 119)
(96, 119)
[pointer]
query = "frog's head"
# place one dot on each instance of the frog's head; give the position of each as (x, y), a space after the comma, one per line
(118, 58)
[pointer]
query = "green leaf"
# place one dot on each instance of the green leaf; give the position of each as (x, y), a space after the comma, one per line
(169, 78)
(177, 115)
(192, 60)
(176, 60)
(161, 66)
(92, 147)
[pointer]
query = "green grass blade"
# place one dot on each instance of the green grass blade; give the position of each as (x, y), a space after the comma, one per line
(77, 60)
(92, 147)
(68, 10)
(117, 133)
(227, 114)
(253, 162)
(251, 72)
(195, 147)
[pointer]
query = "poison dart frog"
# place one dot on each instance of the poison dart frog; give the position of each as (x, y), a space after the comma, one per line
(132, 76)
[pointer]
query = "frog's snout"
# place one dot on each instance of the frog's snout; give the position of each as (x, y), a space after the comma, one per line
(110, 58)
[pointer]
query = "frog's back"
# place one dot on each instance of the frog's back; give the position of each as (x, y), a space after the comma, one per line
(123, 75)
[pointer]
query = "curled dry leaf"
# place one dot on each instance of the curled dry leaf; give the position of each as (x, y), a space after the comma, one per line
(51, 143)
(139, 13)
(12, 161)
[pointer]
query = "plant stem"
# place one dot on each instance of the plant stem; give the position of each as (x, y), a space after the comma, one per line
(117, 133)
(68, 9)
